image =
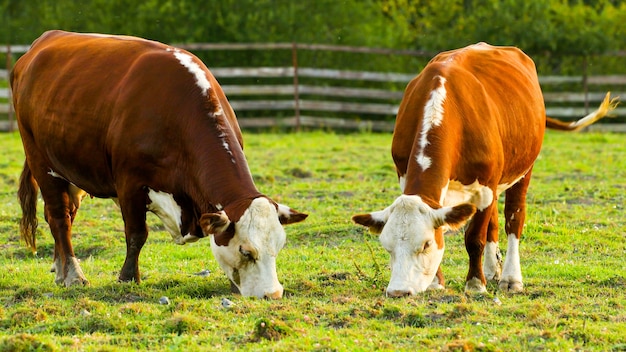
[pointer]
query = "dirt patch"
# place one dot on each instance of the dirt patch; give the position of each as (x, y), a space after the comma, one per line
(272, 330)
(299, 173)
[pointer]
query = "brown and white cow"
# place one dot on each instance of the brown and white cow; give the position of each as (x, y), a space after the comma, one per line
(469, 127)
(148, 125)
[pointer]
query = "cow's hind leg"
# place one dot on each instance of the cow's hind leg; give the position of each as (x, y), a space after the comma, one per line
(60, 212)
(57, 263)
(76, 196)
(492, 262)
(515, 215)
(133, 207)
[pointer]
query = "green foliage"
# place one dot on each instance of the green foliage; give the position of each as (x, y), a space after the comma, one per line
(572, 254)
(322, 21)
(24, 343)
(557, 28)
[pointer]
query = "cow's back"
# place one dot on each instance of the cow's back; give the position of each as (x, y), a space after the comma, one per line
(502, 77)
(90, 104)
(492, 113)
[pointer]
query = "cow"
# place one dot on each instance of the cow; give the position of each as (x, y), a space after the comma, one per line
(148, 125)
(469, 127)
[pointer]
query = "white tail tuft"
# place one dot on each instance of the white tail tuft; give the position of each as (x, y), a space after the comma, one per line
(605, 108)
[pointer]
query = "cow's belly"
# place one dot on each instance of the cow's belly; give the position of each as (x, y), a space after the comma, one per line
(88, 174)
(481, 196)
(69, 148)
(456, 193)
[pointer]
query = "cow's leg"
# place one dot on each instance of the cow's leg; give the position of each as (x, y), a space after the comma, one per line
(475, 238)
(57, 264)
(492, 262)
(133, 207)
(438, 281)
(60, 212)
(515, 215)
(56, 261)
(76, 196)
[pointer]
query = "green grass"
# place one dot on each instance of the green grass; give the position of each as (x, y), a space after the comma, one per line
(334, 273)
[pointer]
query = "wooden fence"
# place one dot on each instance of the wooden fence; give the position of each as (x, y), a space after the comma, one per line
(298, 97)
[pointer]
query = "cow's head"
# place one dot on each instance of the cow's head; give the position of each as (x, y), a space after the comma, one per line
(412, 233)
(247, 249)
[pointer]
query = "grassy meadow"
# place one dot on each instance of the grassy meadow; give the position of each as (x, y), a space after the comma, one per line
(573, 261)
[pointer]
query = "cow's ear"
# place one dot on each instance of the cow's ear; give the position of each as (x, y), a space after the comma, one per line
(223, 238)
(288, 216)
(454, 217)
(373, 221)
(213, 223)
(218, 225)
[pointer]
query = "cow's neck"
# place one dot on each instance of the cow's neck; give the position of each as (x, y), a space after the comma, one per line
(221, 177)
(430, 185)
(231, 189)
(430, 169)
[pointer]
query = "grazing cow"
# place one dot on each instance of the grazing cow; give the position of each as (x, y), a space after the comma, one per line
(469, 127)
(149, 126)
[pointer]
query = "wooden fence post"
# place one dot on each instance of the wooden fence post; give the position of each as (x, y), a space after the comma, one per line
(586, 84)
(9, 64)
(296, 93)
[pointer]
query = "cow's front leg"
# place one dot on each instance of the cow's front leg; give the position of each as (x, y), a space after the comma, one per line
(438, 281)
(133, 207)
(475, 238)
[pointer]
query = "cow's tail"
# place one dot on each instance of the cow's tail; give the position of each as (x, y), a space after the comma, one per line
(27, 194)
(605, 108)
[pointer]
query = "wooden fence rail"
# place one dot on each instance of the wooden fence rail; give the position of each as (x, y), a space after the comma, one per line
(305, 96)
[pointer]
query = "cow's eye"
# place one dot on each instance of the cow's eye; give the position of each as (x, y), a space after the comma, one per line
(246, 253)
(426, 246)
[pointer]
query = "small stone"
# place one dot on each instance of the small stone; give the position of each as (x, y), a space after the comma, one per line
(226, 303)
(48, 294)
(85, 313)
(203, 273)
(164, 300)
(497, 301)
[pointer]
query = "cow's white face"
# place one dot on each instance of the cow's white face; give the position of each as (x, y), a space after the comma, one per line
(249, 258)
(411, 231)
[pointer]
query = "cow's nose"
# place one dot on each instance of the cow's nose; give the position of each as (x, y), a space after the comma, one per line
(274, 295)
(398, 293)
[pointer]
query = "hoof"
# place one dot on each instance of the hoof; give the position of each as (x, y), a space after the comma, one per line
(123, 278)
(474, 285)
(77, 281)
(511, 286)
(435, 286)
